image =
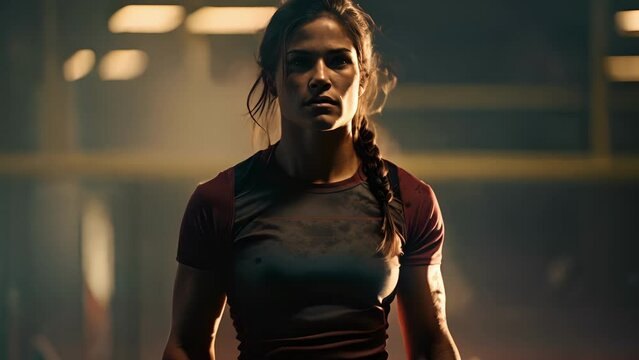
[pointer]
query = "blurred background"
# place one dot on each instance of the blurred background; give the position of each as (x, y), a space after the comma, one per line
(522, 115)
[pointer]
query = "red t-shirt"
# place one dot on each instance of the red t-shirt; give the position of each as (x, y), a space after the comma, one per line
(302, 277)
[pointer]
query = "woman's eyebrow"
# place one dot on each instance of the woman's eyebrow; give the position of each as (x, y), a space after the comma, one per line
(311, 52)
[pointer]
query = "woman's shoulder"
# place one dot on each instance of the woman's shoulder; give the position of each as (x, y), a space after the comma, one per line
(423, 220)
(226, 180)
(410, 186)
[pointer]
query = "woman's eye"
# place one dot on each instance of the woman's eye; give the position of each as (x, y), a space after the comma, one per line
(340, 61)
(303, 63)
(297, 62)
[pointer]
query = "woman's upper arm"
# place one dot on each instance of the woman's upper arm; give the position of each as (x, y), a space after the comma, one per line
(420, 294)
(421, 300)
(199, 292)
(198, 303)
(421, 305)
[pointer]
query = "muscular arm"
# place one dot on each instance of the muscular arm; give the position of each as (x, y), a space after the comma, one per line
(421, 305)
(198, 303)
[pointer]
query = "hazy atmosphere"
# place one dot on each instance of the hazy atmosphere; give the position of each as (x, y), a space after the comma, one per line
(522, 115)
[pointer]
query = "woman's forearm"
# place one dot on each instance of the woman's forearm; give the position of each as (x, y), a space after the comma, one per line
(444, 348)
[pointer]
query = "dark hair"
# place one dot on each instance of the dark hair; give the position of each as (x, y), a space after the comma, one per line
(377, 82)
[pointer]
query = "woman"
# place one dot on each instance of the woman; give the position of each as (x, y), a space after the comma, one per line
(308, 240)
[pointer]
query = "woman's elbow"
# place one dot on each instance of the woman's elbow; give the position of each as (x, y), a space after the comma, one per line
(173, 351)
(176, 350)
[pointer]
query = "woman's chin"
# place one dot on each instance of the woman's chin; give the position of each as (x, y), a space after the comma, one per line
(324, 122)
(320, 122)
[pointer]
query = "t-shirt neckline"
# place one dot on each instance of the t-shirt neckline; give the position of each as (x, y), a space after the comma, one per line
(284, 179)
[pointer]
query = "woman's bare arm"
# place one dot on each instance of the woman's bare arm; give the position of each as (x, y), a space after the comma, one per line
(421, 305)
(198, 303)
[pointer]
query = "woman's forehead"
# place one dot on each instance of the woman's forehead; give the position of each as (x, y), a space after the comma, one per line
(319, 35)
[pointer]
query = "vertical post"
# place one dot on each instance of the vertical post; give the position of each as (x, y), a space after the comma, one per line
(56, 130)
(599, 117)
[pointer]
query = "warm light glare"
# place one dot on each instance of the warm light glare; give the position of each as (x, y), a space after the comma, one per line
(79, 65)
(622, 68)
(628, 21)
(146, 19)
(123, 64)
(229, 20)
(97, 251)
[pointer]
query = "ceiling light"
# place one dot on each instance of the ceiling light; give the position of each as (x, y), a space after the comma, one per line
(229, 20)
(146, 19)
(622, 68)
(123, 64)
(79, 65)
(628, 22)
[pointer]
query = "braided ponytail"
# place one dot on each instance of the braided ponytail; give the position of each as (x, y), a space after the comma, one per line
(379, 183)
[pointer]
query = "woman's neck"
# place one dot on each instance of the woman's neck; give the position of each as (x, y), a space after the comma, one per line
(317, 156)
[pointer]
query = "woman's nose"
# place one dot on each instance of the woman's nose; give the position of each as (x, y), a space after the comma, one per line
(319, 78)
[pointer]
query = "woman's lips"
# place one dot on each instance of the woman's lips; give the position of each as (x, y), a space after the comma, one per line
(320, 104)
(320, 101)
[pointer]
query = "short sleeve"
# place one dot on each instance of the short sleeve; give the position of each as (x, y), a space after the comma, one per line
(423, 220)
(207, 223)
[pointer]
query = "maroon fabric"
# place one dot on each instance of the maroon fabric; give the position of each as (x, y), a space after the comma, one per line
(303, 276)
(207, 222)
(424, 222)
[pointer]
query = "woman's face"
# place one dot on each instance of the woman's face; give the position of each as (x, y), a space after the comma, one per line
(320, 88)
